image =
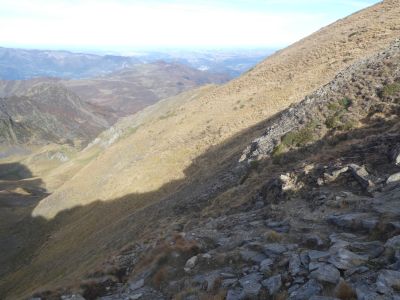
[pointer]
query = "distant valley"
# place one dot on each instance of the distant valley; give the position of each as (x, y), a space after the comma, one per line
(196, 175)
(25, 64)
(94, 91)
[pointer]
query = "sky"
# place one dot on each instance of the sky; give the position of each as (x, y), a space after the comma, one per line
(153, 24)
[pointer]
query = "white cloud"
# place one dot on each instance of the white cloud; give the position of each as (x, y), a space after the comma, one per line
(135, 23)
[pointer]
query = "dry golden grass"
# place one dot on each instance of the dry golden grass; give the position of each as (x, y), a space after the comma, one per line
(344, 291)
(171, 134)
(273, 236)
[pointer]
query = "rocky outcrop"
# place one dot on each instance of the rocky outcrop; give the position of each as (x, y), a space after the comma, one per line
(337, 106)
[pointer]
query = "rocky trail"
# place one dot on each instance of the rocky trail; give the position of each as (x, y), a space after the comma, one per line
(332, 242)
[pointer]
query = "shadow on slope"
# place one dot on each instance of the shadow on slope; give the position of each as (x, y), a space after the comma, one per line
(14, 171)
(19, 194)
(76, 242)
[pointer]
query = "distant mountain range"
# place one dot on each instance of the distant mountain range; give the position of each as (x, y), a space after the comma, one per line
(131, 89)
(231, 62)
(26, 64)
(280, 184)
(74, 111)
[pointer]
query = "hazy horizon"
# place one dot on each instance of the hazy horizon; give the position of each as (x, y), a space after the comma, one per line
(124, 25)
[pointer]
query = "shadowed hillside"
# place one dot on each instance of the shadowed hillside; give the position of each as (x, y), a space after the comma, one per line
(327, 193)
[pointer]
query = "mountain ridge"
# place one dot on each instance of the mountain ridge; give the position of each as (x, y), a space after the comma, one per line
(171, 195)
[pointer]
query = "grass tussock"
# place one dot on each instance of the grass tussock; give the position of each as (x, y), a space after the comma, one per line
(164, 255)
(273, 236)
(344, 291)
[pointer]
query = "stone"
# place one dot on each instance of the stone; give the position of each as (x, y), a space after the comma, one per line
(344, 259)
(366, 292)
(136, 285)
(72, 297)
(191, 262)
(388, 280)
(234, 294)
(326, 273)
(136, 296)
(342, 238)
(393, 243)
(313, 266)
(305, 260)
(323, 298)
(395, 155)
(306, 291)
(356, 270)
(393, 178)
(361, 175)
(229, 282)
(251, 285)
(315, 255)
(206, 256)
(265, 265)
(281, 227)
(354, 221)
(273, 284)
(274, 249)
(227, 275)
(294, 264)
(211, 279)
(371, 249)
(299, 280)
(253, 256)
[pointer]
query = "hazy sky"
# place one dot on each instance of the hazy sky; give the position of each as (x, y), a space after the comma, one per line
(117, 24)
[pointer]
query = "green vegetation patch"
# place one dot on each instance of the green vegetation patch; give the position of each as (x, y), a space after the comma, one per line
(345, 103)
(296, 138)
(339, 122)
(391, 89)
(299, 137)
(338, 119)
(340, 105)
(169, 114)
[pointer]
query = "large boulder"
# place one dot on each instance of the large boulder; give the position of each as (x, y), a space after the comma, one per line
(273, 284)
(251, 286)
(354, 221)
(394, 178)
(326, 273)
(395, 154)
(388, 280)
(393, 243)
(344, 259)
(306, 291)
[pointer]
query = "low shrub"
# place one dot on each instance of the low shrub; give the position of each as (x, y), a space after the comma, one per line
(298, 138)
(391, 89)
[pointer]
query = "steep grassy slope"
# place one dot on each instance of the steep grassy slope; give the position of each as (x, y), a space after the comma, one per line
(159, 150)
(173, 159)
